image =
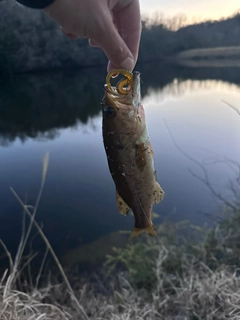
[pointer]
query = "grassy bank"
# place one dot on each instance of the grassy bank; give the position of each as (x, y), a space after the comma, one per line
(210, 57)
(211, 53)
(182, 276)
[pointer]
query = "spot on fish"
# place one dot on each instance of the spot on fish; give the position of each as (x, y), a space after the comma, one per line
(110, 159)
(119, 146)
(131, 113)
(150, 148)
(141, 156)
(155, 174)
(144, 138)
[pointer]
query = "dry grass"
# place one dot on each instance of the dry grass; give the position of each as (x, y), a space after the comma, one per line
(19, 305)
(22, 306)
(199, 294)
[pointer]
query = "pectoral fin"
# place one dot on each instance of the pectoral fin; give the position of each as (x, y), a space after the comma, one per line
(159, 193)
(123, 208)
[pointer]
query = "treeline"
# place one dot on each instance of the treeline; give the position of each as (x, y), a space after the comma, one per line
(30, 41)
(161, 40)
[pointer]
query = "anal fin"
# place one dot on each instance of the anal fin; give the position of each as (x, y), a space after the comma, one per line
(123, 208)
(137, 232)
(159, 193)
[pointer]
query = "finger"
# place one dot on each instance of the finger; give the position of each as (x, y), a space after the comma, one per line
(93, 43)
(110, 66)
(114, 46)
(128, 22)
(69, 35)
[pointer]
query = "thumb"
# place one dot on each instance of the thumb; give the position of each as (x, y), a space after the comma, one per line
(115, 49)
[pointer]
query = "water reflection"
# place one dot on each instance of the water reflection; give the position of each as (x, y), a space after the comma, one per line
(179, 88)
(38, 105)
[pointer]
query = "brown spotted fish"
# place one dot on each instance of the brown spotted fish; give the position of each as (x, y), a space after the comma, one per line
(129, 151)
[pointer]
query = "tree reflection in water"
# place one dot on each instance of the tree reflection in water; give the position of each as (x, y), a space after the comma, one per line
(38, 105)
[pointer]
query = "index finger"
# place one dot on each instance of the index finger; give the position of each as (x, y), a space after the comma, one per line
(128, 22)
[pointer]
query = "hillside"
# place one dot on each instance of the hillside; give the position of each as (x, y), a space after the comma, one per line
(29, 41)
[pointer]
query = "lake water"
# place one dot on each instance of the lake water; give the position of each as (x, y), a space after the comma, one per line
(60, 113)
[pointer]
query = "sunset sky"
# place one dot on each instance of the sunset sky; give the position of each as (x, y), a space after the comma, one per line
(200, 10)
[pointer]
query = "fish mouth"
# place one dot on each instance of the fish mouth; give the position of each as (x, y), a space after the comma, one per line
(131, 95)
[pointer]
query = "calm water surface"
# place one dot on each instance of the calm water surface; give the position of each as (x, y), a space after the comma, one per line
(60, 113)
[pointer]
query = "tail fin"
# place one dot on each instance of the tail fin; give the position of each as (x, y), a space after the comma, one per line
(137, 232)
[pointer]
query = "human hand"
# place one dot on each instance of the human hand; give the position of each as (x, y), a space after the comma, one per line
(113, 25)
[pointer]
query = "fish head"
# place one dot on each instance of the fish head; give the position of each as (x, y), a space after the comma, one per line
(123, 112)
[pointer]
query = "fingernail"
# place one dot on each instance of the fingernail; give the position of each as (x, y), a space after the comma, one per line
(128, 64)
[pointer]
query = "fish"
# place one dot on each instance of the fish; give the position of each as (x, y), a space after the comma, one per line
(129, 152)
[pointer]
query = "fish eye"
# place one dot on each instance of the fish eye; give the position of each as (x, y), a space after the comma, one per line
(108, 111)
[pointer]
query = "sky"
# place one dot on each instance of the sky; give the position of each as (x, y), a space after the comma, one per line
(194, 10)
